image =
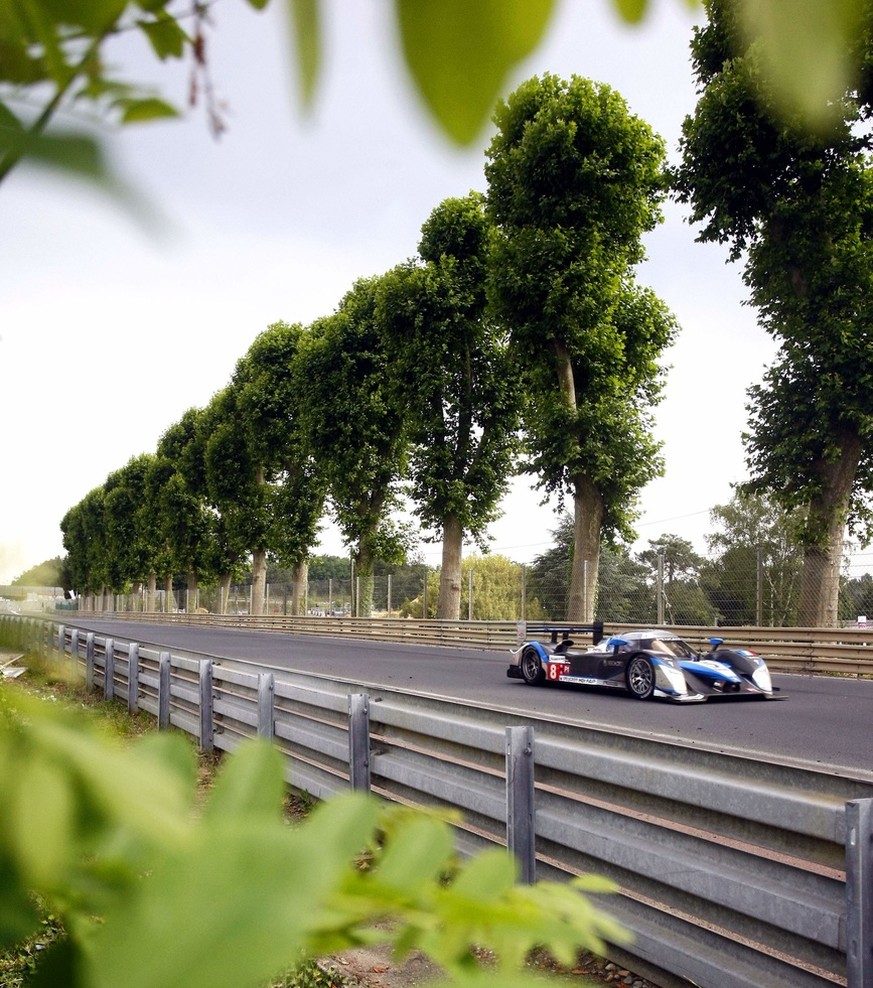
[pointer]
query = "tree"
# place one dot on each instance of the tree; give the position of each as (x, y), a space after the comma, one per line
(127, 527)
(356, 429)
(49, 573)
(797, 208)
(624, 594)
(184, 517)
(677, 567)
(83, 531)
(755, 575)
(450, 363)
(290, 487)
(574, 180)
(548, 576)
(857, 598)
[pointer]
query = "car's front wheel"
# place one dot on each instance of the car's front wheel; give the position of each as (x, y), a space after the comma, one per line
(532, 671)
(641, 677)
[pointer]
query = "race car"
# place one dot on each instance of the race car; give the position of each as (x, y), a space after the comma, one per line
(647, 664)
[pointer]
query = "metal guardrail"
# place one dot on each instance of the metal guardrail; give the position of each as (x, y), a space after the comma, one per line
(734, 872)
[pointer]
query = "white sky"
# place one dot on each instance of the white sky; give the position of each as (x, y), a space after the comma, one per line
(110, 330)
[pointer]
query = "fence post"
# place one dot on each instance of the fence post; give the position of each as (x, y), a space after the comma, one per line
(359, 741)
(133, 678)
(859, 893)
(206, 725)
(520, 831)
(89, 661)
(109, 669)
(265, 705)
(164, 691)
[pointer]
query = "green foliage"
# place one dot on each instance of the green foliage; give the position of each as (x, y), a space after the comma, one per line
(354, 423)
(574, 181)
(757, 545)
(796, 207)
(46, 574)
(457, 75)
(450, 364)
(151, 891)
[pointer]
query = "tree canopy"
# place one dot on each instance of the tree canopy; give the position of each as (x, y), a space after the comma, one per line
(451, 367)
(574, 180)
(795, 207)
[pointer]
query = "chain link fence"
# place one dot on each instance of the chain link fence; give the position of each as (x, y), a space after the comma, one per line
(751, 591)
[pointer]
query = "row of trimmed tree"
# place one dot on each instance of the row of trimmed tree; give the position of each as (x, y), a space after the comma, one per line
(518, 338)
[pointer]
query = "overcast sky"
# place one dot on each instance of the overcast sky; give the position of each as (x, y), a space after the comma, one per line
(110, 329)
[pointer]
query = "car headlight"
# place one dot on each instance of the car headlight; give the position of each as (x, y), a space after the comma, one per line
(674, 677)
(761, 678)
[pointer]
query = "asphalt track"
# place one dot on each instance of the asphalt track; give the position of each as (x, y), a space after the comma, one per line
(824, 721)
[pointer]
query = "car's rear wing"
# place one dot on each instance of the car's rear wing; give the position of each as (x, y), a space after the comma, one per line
(532, 630)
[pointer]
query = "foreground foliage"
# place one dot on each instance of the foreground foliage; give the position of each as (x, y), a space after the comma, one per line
(151, 890)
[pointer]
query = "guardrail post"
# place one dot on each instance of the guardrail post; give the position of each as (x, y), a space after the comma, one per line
(359, 741)
(89, 661)
(133, 678)
(206, 724)
(109, 669)
(62, 638)
(520, 831)
(164, 691)
(859, 893)
(74, 643)
(265, 706)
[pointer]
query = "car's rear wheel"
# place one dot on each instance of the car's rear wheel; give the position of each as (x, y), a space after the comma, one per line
(532, 671)
(641, 677)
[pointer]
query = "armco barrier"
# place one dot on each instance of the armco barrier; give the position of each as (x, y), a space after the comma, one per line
(733, 872)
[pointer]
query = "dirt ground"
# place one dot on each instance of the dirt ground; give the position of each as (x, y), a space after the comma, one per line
(373, 967)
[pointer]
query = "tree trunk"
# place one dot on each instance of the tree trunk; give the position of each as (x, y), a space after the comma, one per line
(192, 601)
(449, 604)
(826, 525)
(362, 594)
(298, 591)
(223, 592)
(585, 565)
(151, 591)
(259, 580)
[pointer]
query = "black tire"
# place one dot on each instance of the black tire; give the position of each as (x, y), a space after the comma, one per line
(640, 676)
(532, 671)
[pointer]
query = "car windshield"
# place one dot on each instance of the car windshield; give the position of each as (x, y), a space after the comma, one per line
(672, 646)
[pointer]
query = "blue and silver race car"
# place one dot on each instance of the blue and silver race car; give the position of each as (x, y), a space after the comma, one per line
(647, 664)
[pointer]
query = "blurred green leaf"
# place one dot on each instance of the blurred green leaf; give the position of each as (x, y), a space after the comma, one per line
(18, 915)
(306, 24)
(805, 47)
(146, 110)
(249, 785)
(165, 35)
(632, 11)
(489, 875)
(42, 807)
(461, 54)
(416, 854)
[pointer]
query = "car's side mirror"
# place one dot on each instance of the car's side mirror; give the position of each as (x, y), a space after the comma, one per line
(617, 643)
(715, 642)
